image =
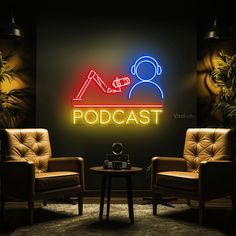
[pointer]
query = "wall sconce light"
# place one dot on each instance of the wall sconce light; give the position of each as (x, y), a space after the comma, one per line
(11, 30)
(220, 31)
(215, 32)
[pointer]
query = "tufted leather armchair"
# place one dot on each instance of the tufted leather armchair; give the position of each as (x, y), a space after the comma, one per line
(29, 173)
(205, 172)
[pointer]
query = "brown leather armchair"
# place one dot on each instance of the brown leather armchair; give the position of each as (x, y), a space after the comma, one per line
(29, 173)
(205, 172)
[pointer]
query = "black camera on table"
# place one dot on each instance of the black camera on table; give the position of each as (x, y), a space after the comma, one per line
(117, 160)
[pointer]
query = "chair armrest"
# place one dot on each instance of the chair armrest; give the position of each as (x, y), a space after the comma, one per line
(217, 178)
(159, 164)
(18, 179)
(75, 164)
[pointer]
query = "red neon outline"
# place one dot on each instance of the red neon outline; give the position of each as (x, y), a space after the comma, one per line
(116, 83)
(120, 106)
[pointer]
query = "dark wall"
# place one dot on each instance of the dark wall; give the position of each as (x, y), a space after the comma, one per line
(67, 44)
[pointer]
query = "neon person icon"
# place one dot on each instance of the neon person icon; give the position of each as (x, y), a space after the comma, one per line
(138, 68)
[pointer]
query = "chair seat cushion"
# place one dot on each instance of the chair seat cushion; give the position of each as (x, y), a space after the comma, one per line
(178, 179)
(55, 180)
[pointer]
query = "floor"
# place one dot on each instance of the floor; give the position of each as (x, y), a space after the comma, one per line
(13, 220)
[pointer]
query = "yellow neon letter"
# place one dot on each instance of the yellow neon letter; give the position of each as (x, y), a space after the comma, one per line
(93, 113)
(157, 112)
(115, 120)
(131, 117)
(144, 114)
(105, 114)
(77, 114)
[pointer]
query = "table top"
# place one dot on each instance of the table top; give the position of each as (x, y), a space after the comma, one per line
(101, 170)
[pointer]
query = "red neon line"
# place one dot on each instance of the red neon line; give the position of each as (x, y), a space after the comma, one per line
(120, 106)
(82, 90)
(99, 81)
(117, 83)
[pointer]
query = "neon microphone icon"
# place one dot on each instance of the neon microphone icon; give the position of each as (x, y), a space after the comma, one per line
(117, 83)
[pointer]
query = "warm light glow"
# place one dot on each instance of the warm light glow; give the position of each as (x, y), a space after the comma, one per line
(91, 117)
(145, 114)
(116, 116)
(105, 117)
(131, 118)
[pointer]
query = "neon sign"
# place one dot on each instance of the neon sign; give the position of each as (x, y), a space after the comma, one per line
(136, 70)
(120, 113)
(117, 116)
(117, 84)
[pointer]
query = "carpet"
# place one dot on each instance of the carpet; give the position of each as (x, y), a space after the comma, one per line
(180, 219)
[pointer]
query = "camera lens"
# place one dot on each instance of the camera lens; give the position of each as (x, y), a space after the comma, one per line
(117, 148)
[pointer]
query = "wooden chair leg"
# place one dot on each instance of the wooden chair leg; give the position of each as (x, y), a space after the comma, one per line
(31, 211)
(233, 197)
(45, 202)
(2, 212)
(80, 204)
(188, 202)
(201, 211)
(154, 203)
(2, 206)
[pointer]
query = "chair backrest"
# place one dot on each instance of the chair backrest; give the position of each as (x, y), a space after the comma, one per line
(205, 144)
(26, 145)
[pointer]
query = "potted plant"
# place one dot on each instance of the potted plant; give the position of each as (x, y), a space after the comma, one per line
(224, 76)
(12, 103)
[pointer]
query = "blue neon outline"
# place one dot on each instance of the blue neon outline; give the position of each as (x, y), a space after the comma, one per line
(156, 66)
(144, 81)
(154, 74)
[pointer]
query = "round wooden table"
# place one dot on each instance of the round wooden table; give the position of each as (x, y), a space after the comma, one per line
(108, 174)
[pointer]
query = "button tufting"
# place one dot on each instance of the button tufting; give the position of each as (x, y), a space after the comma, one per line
(40, 151)
(38, 138)
(21, 140)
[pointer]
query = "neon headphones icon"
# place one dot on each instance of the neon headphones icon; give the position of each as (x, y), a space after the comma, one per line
(146, 59)
(157, 71)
